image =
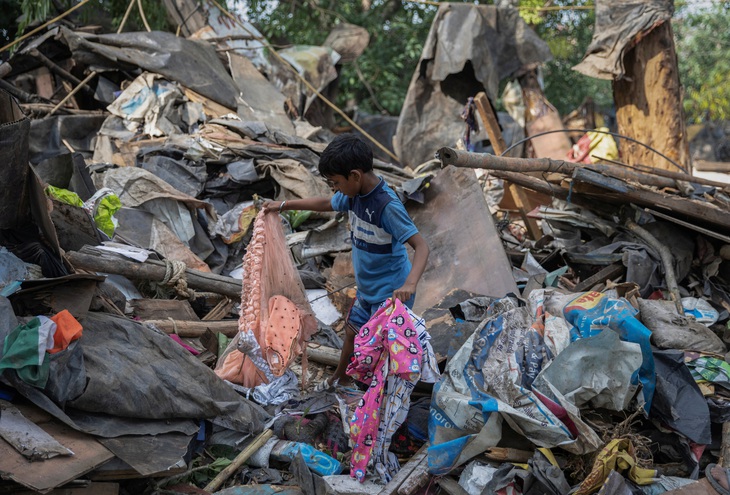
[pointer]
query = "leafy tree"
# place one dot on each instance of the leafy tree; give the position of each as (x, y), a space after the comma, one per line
(378, 80)
(568, 33)
(108, 13)
(703, 40)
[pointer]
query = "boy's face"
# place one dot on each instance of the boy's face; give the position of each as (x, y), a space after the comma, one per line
(349, 186)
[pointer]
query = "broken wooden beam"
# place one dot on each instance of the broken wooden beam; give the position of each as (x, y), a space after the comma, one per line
(451, 486)
(406, 471)
(194, 329)
(245, 454)
(153, 270)
(607, 273)
(636, 173)
(58, 70)
(491, 124)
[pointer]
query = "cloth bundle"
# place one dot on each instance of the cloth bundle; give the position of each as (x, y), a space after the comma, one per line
(392, 352)
(276, 318)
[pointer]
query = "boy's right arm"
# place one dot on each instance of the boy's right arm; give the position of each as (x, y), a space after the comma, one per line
(313, 204)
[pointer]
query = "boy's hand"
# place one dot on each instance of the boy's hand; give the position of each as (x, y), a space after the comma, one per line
(405, 292)
(271, 206)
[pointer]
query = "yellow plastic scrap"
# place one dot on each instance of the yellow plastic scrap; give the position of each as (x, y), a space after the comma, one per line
(602, 146)
(104, 211)
(618, 455)
(103, 205)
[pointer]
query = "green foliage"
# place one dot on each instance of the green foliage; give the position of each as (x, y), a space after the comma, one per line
(106, 12)
(702, 39)
(568, 34)
(297, 217)
(33, 11)
(397, 32)
(379, 80)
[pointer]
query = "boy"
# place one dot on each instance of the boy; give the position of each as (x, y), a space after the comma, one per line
(380, 226)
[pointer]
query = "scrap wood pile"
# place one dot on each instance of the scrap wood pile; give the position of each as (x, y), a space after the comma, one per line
(582, 353)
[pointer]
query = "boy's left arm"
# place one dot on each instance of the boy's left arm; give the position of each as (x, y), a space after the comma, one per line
(420, 257)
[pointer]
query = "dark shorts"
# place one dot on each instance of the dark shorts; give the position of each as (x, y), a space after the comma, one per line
(361, 311)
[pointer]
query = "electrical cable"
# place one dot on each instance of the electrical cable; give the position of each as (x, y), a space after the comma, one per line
(614, 134)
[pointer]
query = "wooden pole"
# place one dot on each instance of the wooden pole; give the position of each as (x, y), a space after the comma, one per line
(250, 450)
(405, 472)
(155, 271)
(667, 261)
(520, 199)
(725, 448)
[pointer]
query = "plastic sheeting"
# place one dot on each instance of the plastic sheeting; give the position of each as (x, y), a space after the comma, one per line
(490, 380)
(677, 391)
(14, 132)
(193, 64)
(472, 47)
(135, 372)
(670, 330)
(594, 372)
(619, 24)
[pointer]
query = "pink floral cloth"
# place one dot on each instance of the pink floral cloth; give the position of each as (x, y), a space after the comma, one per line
(386, 345)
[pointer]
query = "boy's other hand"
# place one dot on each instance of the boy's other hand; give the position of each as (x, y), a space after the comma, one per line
(271, 206)
(405, 292)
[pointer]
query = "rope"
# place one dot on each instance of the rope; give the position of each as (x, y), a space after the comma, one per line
(175, 278)
(174, 326)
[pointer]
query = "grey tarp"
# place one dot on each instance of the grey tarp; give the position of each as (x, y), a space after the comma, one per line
(14, 131)
(470, 48)
(618, 25)
(193, 64)
(143, 382)
(138, 373)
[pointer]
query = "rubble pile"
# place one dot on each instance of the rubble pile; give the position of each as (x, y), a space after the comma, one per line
(161, 334)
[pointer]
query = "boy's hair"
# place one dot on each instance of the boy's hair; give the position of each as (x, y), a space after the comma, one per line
(346, 152)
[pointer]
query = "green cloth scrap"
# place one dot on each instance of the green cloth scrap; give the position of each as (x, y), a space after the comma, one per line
(24, 351)
(710, 369)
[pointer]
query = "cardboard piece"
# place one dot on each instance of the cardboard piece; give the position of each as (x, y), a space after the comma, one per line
(466, 250)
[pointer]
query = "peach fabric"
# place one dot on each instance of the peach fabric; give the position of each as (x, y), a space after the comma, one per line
(271, 284)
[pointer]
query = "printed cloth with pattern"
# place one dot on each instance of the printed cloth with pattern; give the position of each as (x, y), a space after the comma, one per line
(386, 348)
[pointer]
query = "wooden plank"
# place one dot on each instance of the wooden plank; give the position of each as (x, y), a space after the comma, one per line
(117, 469)
(689, 225)
(451, 486)
(52, 473)
(405, 471)
(150, 454)
(160, 309)
(518, 195)
(490, 122)
(708, 166)
(43, 83)
(609, 272)
(466, 250)
(26, 437)
(524, 206)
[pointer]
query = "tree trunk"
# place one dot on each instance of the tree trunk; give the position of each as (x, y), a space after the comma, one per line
(649, 103)
(187, 15)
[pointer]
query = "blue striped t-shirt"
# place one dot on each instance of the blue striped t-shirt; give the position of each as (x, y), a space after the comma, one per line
(379, 227)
